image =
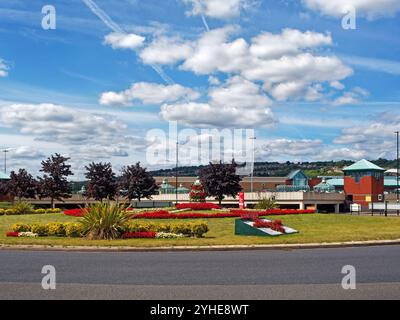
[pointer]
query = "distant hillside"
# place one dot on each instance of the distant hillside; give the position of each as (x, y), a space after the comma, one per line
(276, 169)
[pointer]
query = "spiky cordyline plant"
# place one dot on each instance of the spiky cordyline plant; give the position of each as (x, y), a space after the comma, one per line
(104, 221)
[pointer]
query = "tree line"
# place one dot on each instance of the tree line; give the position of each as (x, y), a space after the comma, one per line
(134, 182)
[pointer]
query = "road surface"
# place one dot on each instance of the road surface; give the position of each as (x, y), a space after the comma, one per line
(295, 274)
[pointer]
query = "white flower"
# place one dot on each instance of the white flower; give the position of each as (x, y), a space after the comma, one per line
(165, 235)
(28, 235)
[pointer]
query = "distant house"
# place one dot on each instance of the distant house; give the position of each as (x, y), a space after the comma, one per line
(297, 178)
(295, 181)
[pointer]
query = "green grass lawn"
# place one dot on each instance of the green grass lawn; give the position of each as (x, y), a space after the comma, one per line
(312, 228)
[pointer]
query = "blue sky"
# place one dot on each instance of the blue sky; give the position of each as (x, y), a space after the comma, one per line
(310, 89)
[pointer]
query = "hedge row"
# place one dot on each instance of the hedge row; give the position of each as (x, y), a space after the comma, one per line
(192, 229)
(14, 212)
(55, 229)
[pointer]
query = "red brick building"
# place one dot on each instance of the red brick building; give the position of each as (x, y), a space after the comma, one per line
(364, 183)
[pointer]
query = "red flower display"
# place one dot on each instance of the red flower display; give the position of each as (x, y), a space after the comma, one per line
(198, 206)
(74, 212)
(274, 225)
(12, 234)
(139, 235)
(272, 212)
(234, 213)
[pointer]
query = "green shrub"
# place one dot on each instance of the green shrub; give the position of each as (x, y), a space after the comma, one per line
(20, 227)
(194, 229)
(2, 212)
(104, 221)
(53, 210)
(199, 229)
(23, 207)
(56, 229)
(40, 211)
(266, 204)
(182, 228)
(165, 228)
(73, 230)
(140, 227)
(40, 229)
(10, 212)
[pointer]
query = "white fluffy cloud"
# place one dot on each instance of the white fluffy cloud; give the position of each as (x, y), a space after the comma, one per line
(101, 151)
(239, 93)
(149, 93)
(374, 139)
(216, 8)
(205, 115)
(341, 154)
(238, 103)
(49, 122)
(304, 150)
(214, 52)
(289, 147)
(303, 68)
(287, 63)
(351, 97)
(371, 9)
(124, 40)
(3, 69)
(27, 153)
(165, 50)
(271, 46)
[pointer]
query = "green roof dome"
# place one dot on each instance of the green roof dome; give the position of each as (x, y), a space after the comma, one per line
(363, 165)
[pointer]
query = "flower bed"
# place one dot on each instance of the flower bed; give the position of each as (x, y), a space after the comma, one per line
(13, 234)
(22, 234)
(185, 216)
(198, 206)
(191, 229)
(81, 212)
(14, 212)
(151, 235)
(234, 213)
(276, 225)
(139, 235)
(272, 212)
(133, 229)
(74, 213)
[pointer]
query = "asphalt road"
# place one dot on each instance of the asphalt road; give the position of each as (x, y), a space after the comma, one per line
(296, 274)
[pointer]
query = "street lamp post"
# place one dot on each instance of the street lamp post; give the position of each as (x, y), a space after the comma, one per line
(5, 159)
(252, 165)
(397, 171)
(176, 171)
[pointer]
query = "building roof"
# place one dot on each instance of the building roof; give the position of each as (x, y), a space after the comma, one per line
(337, 182)
(165, 185)
(363, 165)
(324, 186)
(294, 173)
(391, 182)
(4, 176)
(391, 171)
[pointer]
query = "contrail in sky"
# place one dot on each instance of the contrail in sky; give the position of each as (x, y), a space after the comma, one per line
(116, 28)
(205, 22)
(103, 16)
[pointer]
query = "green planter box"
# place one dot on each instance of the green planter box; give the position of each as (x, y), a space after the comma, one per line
(243, 229)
